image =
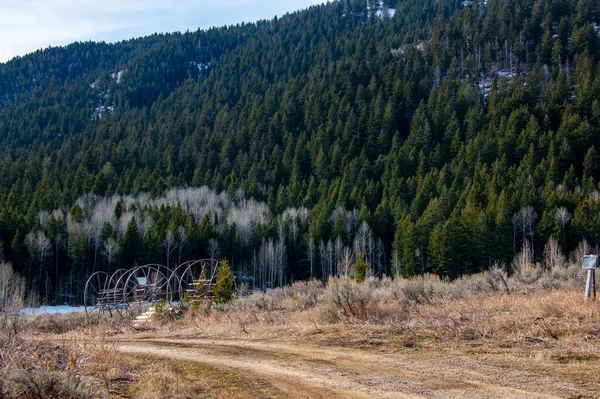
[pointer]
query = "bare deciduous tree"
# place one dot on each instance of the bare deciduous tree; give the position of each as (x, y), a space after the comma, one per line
(213, 252)
(338, 247)
(396, 265)
(40, 243)
(323, 259)
(329, 258)
(524, 219)
(346, 262)
(182, 235)
(145, 223)
(583, 248)
(44, 217)
(363, 242)
(12, 289)
(351, 223)
(311, 252)
(93, 232)
(280, 253)
(553, 256)
(337, 215)
(524, 259)
(563, 217)
(380, 260)
(246, 216)
(109, 251)
(169, 244)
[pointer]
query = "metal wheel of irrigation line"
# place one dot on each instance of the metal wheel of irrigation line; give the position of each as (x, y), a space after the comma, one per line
(197, 281)
(96, 295)
(144, 286)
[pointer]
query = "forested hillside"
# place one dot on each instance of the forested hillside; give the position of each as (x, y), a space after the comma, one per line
(432, 135)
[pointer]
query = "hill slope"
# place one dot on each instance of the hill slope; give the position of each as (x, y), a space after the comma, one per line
(459, 131)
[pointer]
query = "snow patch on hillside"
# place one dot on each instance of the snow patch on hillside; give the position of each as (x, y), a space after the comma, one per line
(467, 3)
(102, 110)
(103, 102)
(382, 11)
(117, 76)
(485, 84)
(202, 67)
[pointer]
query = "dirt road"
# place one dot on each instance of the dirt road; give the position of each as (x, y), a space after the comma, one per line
(309, 370)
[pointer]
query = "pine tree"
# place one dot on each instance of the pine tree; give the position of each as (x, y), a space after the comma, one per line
(223, 290)
(131, 243)
(360, 268)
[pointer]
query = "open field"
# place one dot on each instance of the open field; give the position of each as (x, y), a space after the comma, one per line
(292, 368)
(477, 337)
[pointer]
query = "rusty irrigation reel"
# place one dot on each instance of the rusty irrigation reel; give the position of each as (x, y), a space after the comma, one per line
(144, 286)
(129, 291)
(125, 291)
(193, 281)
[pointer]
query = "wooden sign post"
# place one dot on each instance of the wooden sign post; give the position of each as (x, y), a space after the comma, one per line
(590, 263)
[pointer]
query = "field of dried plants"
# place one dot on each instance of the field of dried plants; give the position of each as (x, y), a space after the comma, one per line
(530, 334)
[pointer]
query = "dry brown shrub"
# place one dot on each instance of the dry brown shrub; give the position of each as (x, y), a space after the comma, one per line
(296, 296)
(525, 307)
(262, 301)
(536, 317)
(57, 323)
(347, 300)
(388, 312)
(306, 293)
(13, 290)
(41, 369)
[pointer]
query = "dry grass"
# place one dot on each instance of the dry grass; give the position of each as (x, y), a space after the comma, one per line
(41, 369)
(534, 312)
(531, 307)
(182, 380)
(58, 356)
(542, 317)
(86, 364)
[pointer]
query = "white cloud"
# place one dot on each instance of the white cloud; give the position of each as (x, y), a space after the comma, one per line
(28, 25)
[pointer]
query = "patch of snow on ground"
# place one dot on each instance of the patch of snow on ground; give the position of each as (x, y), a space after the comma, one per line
(466, 3)
(201, 66)
(382, 11)
(390, 13)
(485, 84)
(505, 74)
(63, 309)
(117, 76)
(102, 110)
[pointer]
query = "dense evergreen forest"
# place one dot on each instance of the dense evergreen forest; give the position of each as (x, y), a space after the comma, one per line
(431, 135)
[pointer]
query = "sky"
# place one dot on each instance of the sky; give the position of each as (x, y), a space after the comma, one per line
(29, 25)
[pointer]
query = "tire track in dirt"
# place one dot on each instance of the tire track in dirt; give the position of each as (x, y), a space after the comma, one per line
(302, 370)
